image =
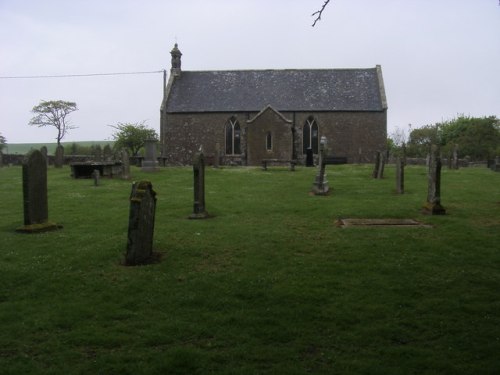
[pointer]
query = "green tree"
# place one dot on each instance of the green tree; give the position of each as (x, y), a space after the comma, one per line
(3, 142)
(131, 136)
(421, 139)
(478, 138)
(54, 113)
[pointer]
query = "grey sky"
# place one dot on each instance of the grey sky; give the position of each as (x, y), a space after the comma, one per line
(440, 58)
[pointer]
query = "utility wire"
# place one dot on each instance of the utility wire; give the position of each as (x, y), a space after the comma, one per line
(79, 75)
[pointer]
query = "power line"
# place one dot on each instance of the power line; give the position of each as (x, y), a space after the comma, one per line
(79, 75)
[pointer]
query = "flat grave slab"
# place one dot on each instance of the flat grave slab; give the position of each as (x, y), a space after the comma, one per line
(344, 223)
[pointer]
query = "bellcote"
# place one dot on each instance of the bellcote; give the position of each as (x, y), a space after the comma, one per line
(176, 61)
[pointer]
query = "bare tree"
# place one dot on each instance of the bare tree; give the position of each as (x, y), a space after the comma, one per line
(54, 113)
(319, 13)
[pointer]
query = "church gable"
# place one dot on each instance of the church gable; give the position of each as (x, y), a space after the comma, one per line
(269, 135)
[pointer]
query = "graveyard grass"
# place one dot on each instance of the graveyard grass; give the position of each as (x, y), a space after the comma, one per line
(268, 286)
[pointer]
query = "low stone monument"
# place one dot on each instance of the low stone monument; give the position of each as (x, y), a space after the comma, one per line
(400, 175)
(36, 212)
(433, 205)
(141, 224)
(59, 157)
(320, 184)
(150, 162)
(199, 211)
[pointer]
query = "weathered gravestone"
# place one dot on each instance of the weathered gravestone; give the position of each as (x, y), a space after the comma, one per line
(381, 166)
(320, 184)
(433, 204)
(199, 211)
(141, 224)
(150, 162)
(36, 212)
(45, 153)
(376, 167)
(400, 175)
(59, 157)
(96, 176)
(125, 165)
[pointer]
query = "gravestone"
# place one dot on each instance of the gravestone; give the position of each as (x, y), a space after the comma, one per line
(125, 165)
(96, 175)
(433, 205)
(141, 224)
(59, 157)
(309, 157)
(320, 184)
(381, 165)
(199, 211)
(45, 153)
(36, 215)
(400, 175)
(150, 162)
(377, 165)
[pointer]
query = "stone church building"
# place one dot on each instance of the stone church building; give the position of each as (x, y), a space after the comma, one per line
(245, 116)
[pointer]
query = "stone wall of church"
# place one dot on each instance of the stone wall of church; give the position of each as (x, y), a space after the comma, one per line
(355, 135)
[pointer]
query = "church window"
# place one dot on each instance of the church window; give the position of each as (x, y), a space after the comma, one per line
(233, 137)
(310, 136)
(269, 141)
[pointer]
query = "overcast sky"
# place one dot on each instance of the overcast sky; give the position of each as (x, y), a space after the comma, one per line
(439, 58)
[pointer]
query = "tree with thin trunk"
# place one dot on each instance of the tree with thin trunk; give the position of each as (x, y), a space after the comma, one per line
(54, 113)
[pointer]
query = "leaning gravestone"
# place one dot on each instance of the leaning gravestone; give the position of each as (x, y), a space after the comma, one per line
(59, 157)
(199, 211)
(35, 194)
(433, 204)
(141, 224)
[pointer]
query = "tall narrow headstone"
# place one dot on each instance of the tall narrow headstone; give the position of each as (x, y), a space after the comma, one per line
(125, 165)
(150, 162)
(320, 184)
(377, 165)
(36, 212)
(433, 205)
(96, 175)
(141, 224)
(381, 165)
(199, 211)
(400, 175)
(59, 157)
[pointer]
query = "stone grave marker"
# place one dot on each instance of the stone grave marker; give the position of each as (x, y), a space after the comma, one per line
(199, 211)
(381, 166)
(125, 164)
(377, 165)
(150, 162)
(45, 153)
(320, 184)
(433, 205)
(35, 202)
(400, 175)
(96, 176)
(59, 157)
(141, 224)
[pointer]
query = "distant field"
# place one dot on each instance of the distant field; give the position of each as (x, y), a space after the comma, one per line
(23, 148)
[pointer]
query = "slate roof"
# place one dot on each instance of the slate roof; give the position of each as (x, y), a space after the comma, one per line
(285, 90)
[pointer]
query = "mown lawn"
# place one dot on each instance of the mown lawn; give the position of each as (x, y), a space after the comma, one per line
(268, 286)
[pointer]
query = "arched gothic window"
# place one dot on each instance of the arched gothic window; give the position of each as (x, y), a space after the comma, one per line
(233, 137)
(310, 136)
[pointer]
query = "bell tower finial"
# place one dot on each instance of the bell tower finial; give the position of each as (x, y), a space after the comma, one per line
(176, 61)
